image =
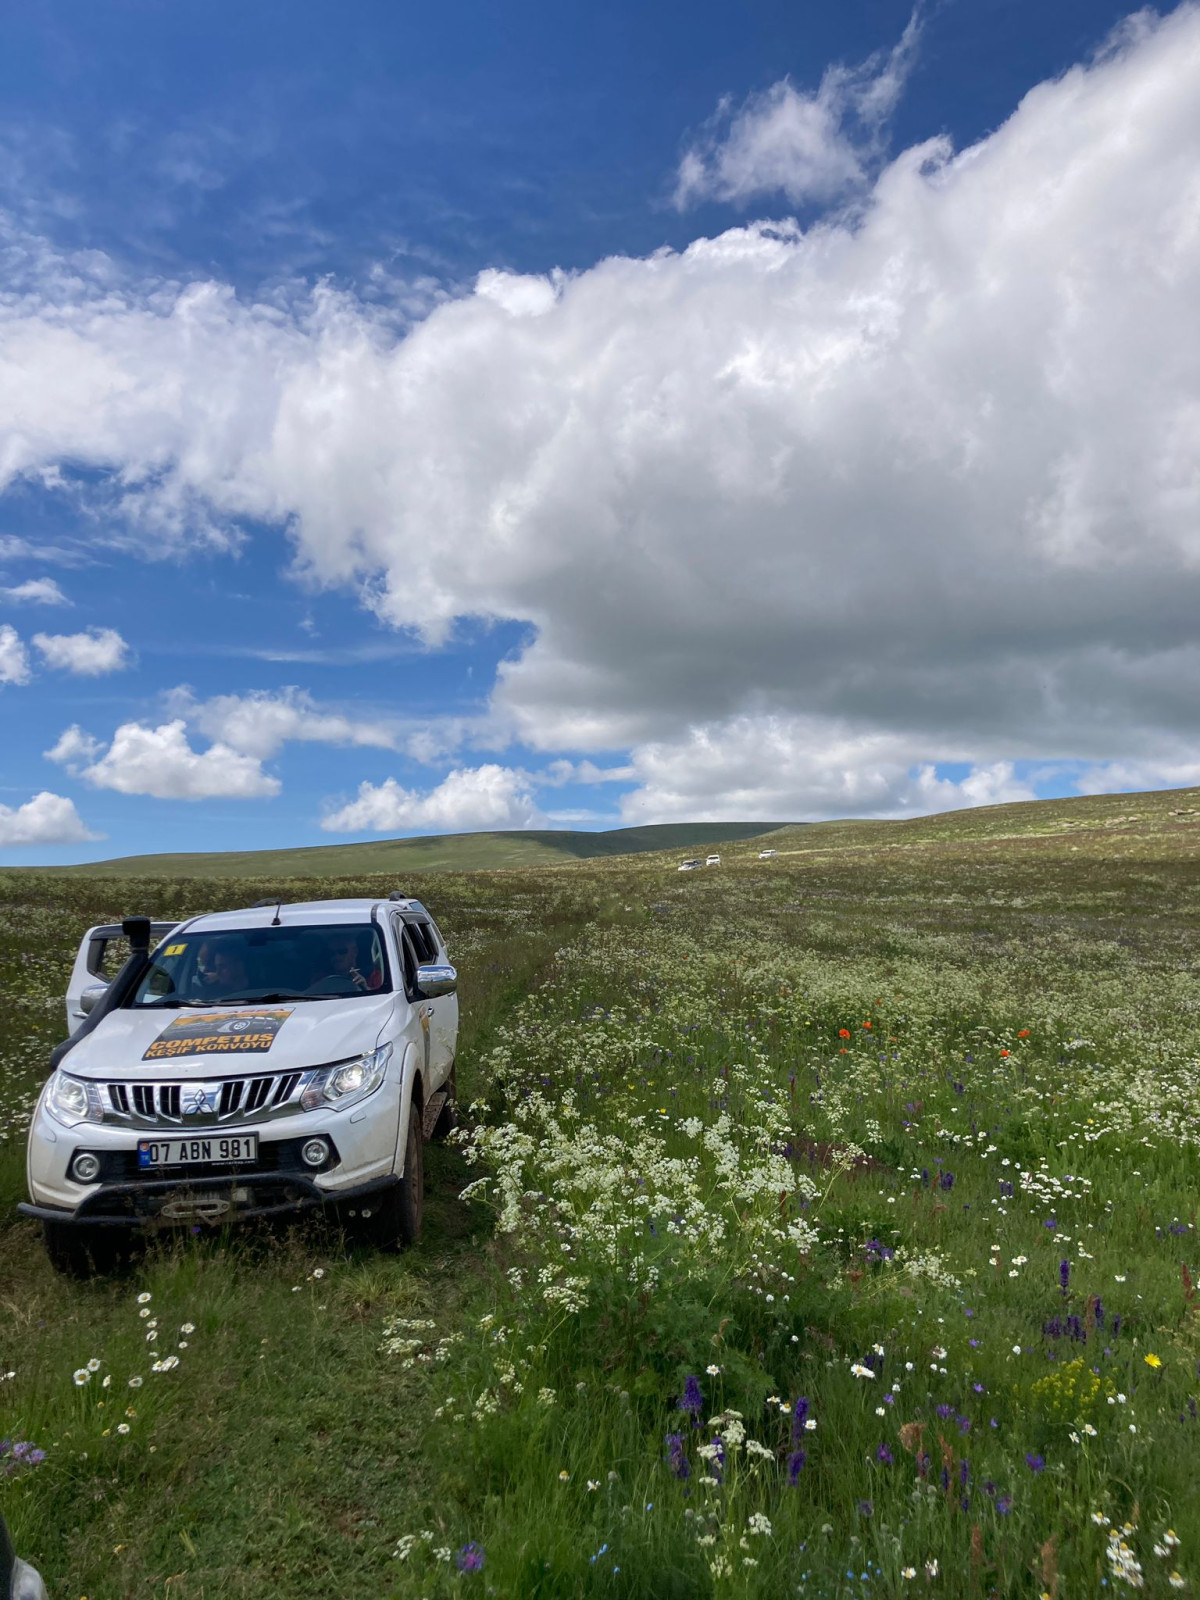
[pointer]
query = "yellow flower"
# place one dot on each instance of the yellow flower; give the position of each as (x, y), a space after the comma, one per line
(1152, 1360)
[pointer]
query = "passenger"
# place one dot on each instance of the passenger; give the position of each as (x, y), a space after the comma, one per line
(227, 974)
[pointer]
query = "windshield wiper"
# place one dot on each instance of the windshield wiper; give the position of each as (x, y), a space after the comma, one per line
(274, 995)
(173, 1003)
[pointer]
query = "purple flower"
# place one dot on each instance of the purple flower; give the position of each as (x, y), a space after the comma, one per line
(946, 1181)
(470, 1557)
(885, 1455)
(1035, 1463)
(677, 1456)
(866, 1508)
(945, 1411)
(1098, 1313)
(1004, 1504)
(964, 1424)
(18, 1453)
(1006, 1188)
(978, 1388)
(798, 1416)
(693, 1398)
(795, 1466)
(1064, 1274)
(1050, 1223)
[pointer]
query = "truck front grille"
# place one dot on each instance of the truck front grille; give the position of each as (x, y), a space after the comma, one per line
(157, 1105)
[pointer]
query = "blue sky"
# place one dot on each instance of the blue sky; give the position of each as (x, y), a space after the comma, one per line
(423, 419)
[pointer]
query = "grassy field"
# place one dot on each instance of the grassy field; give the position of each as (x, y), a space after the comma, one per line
(830, 1231)
(448, 852)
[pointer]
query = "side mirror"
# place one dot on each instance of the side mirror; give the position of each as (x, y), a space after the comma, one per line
(91, 998)
(436, 980)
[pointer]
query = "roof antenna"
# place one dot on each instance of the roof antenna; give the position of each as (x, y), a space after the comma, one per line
(275, 922)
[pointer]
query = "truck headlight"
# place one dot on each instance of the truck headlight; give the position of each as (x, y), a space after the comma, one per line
(347, 1082)
(71, 1100)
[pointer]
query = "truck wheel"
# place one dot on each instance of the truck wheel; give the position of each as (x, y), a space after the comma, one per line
(80, 1252)
(396, 1212)
(448, 1117)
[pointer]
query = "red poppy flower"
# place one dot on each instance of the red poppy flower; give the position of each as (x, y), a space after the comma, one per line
(1004, 1052)
(1024, 1033)
(843, 1033)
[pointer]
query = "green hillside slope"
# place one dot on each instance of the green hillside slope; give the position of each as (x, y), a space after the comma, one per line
(456, 852)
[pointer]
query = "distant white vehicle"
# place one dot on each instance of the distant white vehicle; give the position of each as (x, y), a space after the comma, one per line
(767, 855)
(690, 866)
(713, 861)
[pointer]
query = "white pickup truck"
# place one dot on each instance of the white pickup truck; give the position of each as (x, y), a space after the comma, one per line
(252, 1063)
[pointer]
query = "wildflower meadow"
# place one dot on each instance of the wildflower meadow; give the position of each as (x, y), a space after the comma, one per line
(814, 1226)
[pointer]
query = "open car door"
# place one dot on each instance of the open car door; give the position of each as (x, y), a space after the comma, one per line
(101, 956)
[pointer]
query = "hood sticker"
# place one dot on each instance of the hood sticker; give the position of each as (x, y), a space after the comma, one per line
(219, 1033)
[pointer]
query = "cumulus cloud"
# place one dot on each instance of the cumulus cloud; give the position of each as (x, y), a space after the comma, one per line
(75, 749)
(14, 658)
(160, 762)
(926, 474)
(46, 819)
(87, 655)
(37, 591)
(466, 800)
(798, 770)
(806, 145)
(557, 773)
(260, 723)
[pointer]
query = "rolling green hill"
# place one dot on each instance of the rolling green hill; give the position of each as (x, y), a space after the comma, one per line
(451, 852)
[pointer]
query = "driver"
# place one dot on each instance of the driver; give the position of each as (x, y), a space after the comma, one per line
(340, 959)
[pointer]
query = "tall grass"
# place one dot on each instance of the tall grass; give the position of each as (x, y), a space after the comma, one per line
(830, 1231)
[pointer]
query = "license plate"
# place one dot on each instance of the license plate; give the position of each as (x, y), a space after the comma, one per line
(231, 1148)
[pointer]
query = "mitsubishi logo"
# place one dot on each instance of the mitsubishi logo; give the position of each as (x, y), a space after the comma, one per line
(199, 1099)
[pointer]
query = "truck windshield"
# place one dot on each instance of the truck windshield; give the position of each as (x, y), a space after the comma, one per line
(245, 965)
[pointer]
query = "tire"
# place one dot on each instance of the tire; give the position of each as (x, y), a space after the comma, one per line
(80, 1252)
(448, 1120)
(397, 1212)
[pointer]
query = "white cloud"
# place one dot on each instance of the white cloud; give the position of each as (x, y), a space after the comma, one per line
(466, 800)
(558, 773)
(160, 762)
(88, 655)
(260, 723)
(800, 769)
(46, 819)
(925, 477)
(37, 591)
(1116, 777)
(75, 749)
(14, 658)
(807, 146)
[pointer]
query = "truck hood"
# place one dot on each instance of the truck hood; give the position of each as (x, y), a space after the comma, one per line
(230, 1041)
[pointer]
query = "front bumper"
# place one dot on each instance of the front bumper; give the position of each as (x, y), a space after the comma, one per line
(178, 1202)
(362, 1140)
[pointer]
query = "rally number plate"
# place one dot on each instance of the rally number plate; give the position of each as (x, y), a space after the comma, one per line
(231, 1148)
